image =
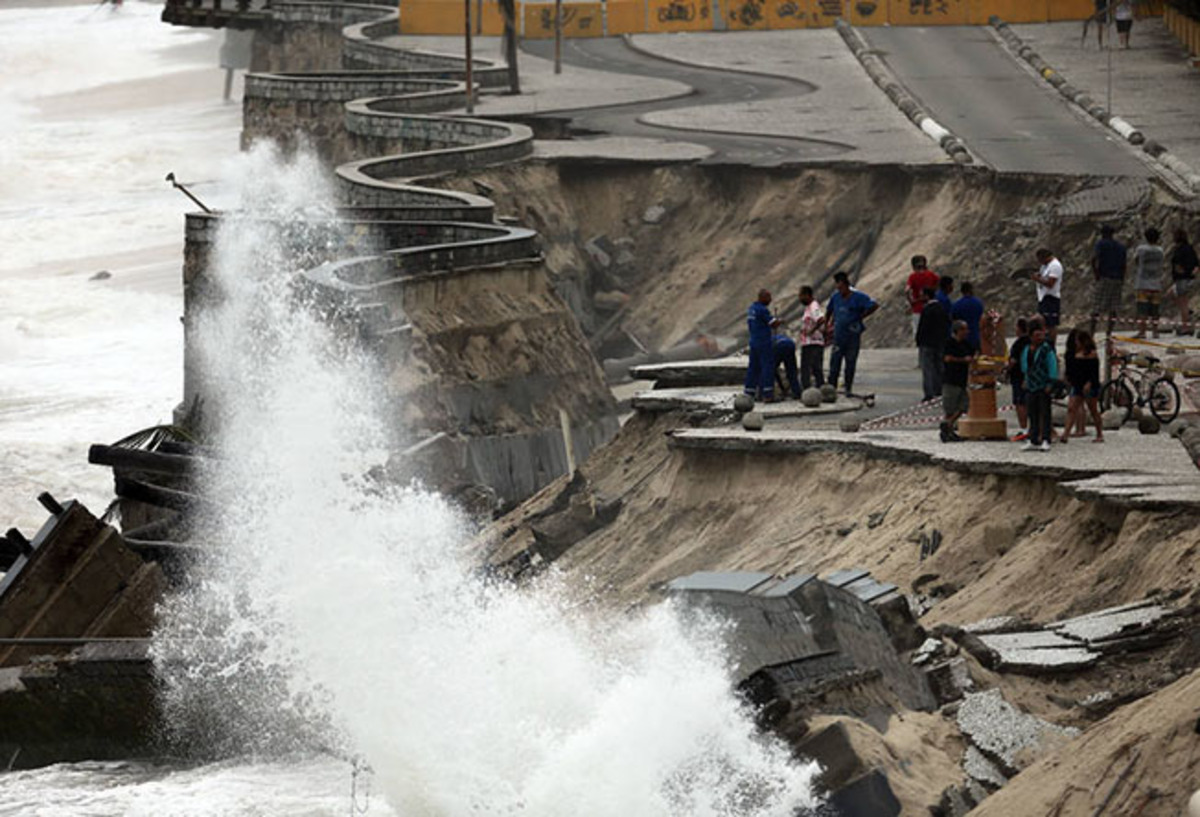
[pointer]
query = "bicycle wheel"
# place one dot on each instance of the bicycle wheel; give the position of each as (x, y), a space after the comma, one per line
(1117, 395)
(1164, 400)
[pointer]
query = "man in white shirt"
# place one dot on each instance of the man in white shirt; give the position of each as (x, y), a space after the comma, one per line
(1048, 279)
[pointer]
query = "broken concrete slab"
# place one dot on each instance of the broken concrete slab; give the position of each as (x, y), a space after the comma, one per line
(997, 624)
(1106, 625)
(1046, 661)
(846, 576)
(1007, 736)
(1029, 640)
(979, 768)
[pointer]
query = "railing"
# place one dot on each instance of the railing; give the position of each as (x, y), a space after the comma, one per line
(215, 13)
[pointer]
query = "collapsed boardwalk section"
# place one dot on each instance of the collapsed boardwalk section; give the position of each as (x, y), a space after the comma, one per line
(481, 358)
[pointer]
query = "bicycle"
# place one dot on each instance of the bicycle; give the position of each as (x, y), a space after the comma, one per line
(1133, 386)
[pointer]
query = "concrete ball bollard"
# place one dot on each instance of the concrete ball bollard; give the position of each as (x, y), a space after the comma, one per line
(849, 425)
(812, 397)
(1194, 805)
(828, 394)
(743, 403)
(1149, 424)
(1112, 419)
(753, 421)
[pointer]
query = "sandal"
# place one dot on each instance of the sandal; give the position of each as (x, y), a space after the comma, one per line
(1097, 439)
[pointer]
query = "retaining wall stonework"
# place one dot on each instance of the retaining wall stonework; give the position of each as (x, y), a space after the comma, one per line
(472, 342)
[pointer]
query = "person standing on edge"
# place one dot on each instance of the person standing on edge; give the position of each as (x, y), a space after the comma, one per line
(968, 309)
(812, 340)
(1083, 375)
(931, 343)
(1185, 265)
(1049, 292)
(921, 279)
(848, 309)
(760, 374)
(1109, 262)
(1148, 262)
(1039, 364)
(955, 401)
(1017, 378)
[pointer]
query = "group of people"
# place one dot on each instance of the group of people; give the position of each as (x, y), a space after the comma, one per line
(839, 324)
(948, 334)
(1151, 264)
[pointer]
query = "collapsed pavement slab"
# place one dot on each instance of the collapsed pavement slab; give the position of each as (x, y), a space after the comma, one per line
(1005, 735)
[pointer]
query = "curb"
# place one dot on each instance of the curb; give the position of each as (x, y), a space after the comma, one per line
(906, 102)
(1093, 108)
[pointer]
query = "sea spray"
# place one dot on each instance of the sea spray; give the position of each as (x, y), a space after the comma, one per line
(334, 612)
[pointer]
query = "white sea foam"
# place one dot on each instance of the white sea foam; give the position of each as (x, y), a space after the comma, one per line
(351, 613)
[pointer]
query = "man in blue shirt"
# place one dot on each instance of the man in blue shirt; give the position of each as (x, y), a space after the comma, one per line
(1109, 262)
(760, 374)
(969, 310)
(848, 308)
(945, 290)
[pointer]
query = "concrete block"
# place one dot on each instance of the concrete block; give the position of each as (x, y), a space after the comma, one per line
(1010, 738)
(743, 403)
(1149, 424)
(812, 397)
(849, 425)
(979, 768)
(868, 796)
(753, 421)
(949, 680)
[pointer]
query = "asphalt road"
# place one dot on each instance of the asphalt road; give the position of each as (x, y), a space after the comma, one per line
(711, 87)
(1004, 115)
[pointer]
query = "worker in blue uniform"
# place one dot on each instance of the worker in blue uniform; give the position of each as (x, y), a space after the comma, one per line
(784, 349)
(760, 373)
(849, 309)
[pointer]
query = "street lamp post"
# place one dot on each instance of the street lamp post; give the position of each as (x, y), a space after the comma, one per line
(470, 62)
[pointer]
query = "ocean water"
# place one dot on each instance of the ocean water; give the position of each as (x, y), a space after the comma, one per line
(98, 106)
(335, 623)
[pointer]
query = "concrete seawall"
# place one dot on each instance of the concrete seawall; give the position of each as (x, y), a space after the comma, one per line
(479, 353)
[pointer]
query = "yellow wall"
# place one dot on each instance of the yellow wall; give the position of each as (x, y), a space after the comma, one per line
(626, 16)
(587, 19)
(446, 17)
(1185, 29)
(579, 20)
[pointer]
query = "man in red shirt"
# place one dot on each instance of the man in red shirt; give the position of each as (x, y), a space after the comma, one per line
(922, 278)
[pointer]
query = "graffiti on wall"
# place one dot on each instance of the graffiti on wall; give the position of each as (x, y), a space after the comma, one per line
(928, 7)
(578, 20)
(678, 11)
